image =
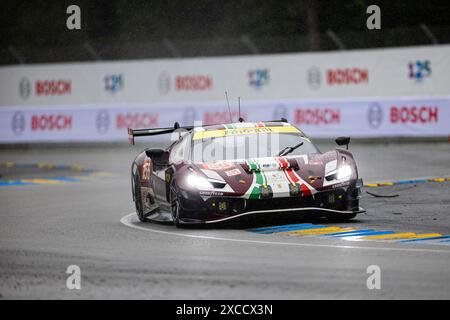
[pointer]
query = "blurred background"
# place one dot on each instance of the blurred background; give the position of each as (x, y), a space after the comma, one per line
(150, 63)
(34, 31)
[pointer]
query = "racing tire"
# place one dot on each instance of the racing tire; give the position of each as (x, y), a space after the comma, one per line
(138, 199)
(175, 207)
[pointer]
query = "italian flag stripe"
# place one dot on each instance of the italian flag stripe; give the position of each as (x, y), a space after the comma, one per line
(305, 189)
(287, 176)
(255, 193)
(259, 177)
(283, 162)
(292, 175)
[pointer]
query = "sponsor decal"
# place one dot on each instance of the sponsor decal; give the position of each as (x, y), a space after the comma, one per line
(375, 115)
(314, 77)
(414, 114)
(340, 185)
(242, 131)
(136, 120)
(51, 122)
(25, 88)
(218, 165)
(113, 83)
(317, 116)
(211, 193)
(146, 170)
(102, 121)
(233, 172)
(193, 83)
(53, 87)
(258, 78)
(347, 76)
(419, 70)
(336, 77)
(18, 123)
(184, 83)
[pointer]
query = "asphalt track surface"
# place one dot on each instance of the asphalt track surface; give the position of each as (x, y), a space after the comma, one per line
(45, 228)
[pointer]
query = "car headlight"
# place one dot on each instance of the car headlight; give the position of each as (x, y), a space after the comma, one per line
(198, 182)
(344, 172)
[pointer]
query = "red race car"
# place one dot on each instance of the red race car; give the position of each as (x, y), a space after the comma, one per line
(221, 172)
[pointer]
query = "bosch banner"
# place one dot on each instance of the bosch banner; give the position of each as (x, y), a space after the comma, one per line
(365, 93)
(364, 118)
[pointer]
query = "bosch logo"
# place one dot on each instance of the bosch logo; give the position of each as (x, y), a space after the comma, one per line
(314, 78)
(51, 122)
(137, 120)
(18, 123)
(102, 121)
(375, 116)
(164, 83)
(347, 76)
(53, 87)
(424, 114)
(317, 116)
(193, 83)
(25, 88)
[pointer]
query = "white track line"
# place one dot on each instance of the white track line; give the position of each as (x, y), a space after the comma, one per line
(126, 220)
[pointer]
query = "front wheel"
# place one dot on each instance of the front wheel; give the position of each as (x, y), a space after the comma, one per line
(138, 199)
(175, 207)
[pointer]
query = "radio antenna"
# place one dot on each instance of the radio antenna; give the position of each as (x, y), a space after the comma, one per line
(229, 110)
(239, 106)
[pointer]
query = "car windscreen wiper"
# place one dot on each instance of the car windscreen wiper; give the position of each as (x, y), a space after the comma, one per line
(288, 150)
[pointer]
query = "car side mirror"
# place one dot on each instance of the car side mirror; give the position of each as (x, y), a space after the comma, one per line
(158, 156)
(343, 141)
(154, 153)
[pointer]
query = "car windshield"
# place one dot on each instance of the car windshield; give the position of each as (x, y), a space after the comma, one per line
(249, 146)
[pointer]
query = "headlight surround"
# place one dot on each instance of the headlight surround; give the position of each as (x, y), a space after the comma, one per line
(344, 172)
(198, 182)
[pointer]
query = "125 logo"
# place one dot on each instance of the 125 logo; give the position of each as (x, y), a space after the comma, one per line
(419, 69)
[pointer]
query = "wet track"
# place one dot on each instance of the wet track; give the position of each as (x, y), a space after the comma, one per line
(84, 219)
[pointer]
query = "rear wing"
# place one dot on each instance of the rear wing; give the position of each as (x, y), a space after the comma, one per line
(153, 131)
(157, 131)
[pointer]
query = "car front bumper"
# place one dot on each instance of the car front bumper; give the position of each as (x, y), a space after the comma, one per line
(337, 201)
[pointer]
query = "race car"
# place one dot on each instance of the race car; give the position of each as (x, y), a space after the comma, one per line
(216, 173)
